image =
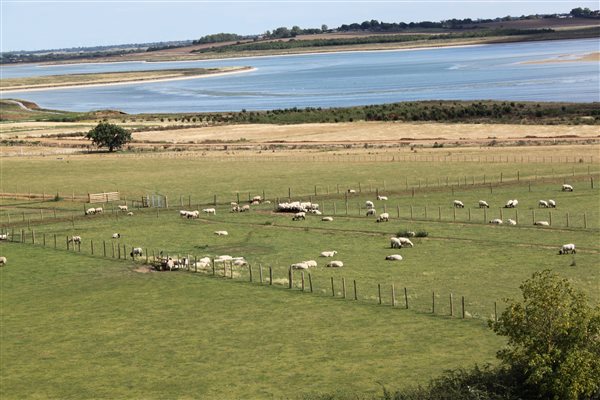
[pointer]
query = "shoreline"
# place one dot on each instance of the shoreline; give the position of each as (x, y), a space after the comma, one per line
(132, 82)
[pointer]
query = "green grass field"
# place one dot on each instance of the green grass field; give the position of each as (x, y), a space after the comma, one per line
(81, 326)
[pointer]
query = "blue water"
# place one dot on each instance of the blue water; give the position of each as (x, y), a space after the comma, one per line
(341, 79)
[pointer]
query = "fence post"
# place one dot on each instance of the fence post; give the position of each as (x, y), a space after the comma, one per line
(398, 210)
(260, 274)
(92, 246)
(439, 213)
(379, 292)
(584, 220)
(406, 298)
(55, 240)
(463, 306)
(550, 217)
(302, 276)
(310, 282)
(104, 247)
(411, 212)
(332, 288)
(433, 302)
(451, 306)
(32, 236)
(454, 214)
(495, 312)
(355, 292)
(344, 283)
(291, 277)
(213, 267)
(393, 296)
(270, 275)
(250, 270)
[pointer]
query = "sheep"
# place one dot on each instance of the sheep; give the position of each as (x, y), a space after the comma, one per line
(369, 204)
(483, 204)
(567, 188)
(193, 214)
(233, 204)
(395, 243)
(75, 239)
(223, 258)
(371, 211)
(3, 261)
(511, 222)
(236, 208)
(257, 199)
(411, 234)
(310, 263)
(90, 211)
(511, 203)
(130, 214)
(496, 221)
(316, 212)
(136, 251)
(99, 210)
(335, 264)
(240, 263)
(267, 201)
(542, 223)
(458, 204)
(116, 235)
(4, 236)
(205, 260)
(552, 203)
(299, 266)
(183, 213)
(406, 241)
(210, 211)
(543, 203)
(245, 208)
(351, 191)
(299, 216)
(383, 198)
(123, 208)
(167, 263)
(383, 217)
(328, 253)
(394, 257)
(221, 233)
(327, 219)
(567, 248)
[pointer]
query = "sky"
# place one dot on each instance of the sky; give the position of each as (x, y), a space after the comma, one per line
(48, 24)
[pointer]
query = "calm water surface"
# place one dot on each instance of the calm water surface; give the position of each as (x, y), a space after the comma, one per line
(341, 79)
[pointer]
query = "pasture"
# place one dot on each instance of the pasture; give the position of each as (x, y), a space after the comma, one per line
(110, 331)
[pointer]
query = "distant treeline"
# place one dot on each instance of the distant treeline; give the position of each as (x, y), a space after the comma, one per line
(294, 44)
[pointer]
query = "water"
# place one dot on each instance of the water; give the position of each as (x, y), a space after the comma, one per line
(340, 79)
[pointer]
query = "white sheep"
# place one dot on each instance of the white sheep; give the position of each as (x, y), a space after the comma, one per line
(511, 203)
(301, 265)
(257, 199)
(136, 251)
(223, 257)
(130, 213)
(193, 214)
(90, 211)
(245, 208)
(183, 213)
(371, 211)
(458, 204)
(552, 203)
(210, 211)
(483, 204)
(240, 263)
(116, 235)
(316, 212)
(123, 208)
(3, 261)
(543, 203)
(542, 223)
(4, 236)
(406, 242)
(328, 253)
(411, 234)
(99, 210)
(205, 260)
(383, 217)
(496, 221)
(335, 264)
(75, 239)
(511, 222)
(327, 219)
(299, 216)
(567, 188)
(395, 243)
(221, 233)
(567, 248)
(384, 198)
(310, 263)
(369, 204)
(394, 257)
(351, 191)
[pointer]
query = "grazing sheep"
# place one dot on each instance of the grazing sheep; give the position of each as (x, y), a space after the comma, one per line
(90, 211)
(193, 214)
(240, 263)
(221, 233)
(223, 258)
(99, 210)
(496, 221)
(483, 204)
(371, 211)
(328, 253)
(257, 199)
(183, 213)
(552, 203)
(369, 204)
(395, 243)
(210, 211)
(406, 242)
(458, 204)
(75, 239)
(567, 188)
(351, 191)
(394, 257)
(123, 208)
(310, 263)
(3, 261)
(511, 221)
(327, 219)
(267, 201)
(130, 213)
(316, 212)
(511, 203)
(4, 236)
(299, 216)
(236, 208)
(299, 266)
(136, 251)
(116, 235)
(384, 198)
(335, 264)
(411, 234)
(567, 248)
(543, 203)
(542, 223)
(383, 217)
(245, 208)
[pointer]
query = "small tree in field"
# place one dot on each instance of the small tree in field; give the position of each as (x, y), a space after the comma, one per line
(109, 135)
(553, 338)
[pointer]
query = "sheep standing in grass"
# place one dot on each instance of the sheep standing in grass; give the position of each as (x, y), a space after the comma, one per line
(75, 239)
(240, 263)
(193, 214)
(511, 222)
(369, 204)
(221, 233)
(383, 217)
(130, 214)
(458, 204)
(496, 221)
(4, 236)
(483, 204)
(395, 243)
(90, 211)
(567, 248)
(99, 210)
(245, 208)
(541, 223)
(567, 188)
(371, 211)
(335, 264)
(3, 261)
(327, 219)
(511, 203)
(328, 253)
(183, 213)
(210, 211)
(552, 203)
(394, 257)
(136, 251)
(299, 266)
(116, 235)
(299, 216)
(310, 263)
(406, 242)
(351, 191)
(382, 198)
(123, 208)
(543, 204)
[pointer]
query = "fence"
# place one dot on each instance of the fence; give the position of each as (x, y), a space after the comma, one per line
(103, 197)
(447, 304)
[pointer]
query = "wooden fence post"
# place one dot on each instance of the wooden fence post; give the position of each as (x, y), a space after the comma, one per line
(451, 306)
(379, 292)
(55, 240)
(332, 288)
(355, 291)
(433, 302)
(463, 306)
(302, 277)
(250, 270)
(32, 236)
(270, 275)
(495, 312)
(406, 298)
(92, 246)
(104, 247)
(291, 277)
(310, 282)
(584, 220)
(344, 285)
(260, 273)
(393, 296)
